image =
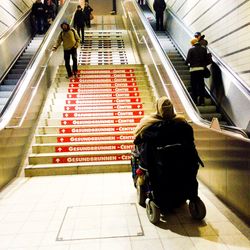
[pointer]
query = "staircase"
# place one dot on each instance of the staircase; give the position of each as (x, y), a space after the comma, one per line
(8, 85)
(87, 123)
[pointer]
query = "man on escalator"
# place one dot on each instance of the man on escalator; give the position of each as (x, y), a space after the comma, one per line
(197, 61)
(38, 16)
(159, 7)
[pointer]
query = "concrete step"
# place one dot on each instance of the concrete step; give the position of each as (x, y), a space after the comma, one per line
(106, 67)
(61, 78)
(80, 147)
(95, 128)
(86, 107)
(77, 168)
(96, 114)
(101, 73)
(90, 121)
(102, 96)
(99, 83)
(76, 89)
(81, 157)
(86, 137)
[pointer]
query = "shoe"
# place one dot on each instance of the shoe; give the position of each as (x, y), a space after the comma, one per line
(201, 101)
(67, 77)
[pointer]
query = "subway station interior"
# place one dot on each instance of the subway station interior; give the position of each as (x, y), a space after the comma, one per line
(65, 144)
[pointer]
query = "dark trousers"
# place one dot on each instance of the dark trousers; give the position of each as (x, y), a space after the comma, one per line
(87, 21)
(197, 86)
(80, 31)
(159, 20)
(73, 53)
(39, 22)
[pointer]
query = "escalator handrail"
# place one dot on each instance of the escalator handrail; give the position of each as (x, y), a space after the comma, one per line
(27, 77)
(176, 79)
(13, 27)
(5, 36)
(242, 84)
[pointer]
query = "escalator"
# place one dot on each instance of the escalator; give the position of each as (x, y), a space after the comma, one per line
(211, 108)
(10, 81)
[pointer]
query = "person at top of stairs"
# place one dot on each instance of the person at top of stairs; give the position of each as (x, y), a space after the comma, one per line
(79, 22)
(70, 39)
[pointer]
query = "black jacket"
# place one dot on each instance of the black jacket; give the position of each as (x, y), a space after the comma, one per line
(197, 56)
(168, 152)
(79, 18)
(87, 10)
(38, 9)
(159, 5)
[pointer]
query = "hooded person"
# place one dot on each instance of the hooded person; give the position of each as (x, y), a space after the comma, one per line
(70, 39)
(164, 111)
(165, 130)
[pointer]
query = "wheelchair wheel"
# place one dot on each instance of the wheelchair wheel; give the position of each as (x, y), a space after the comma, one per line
(141, 194)
(153, 212)
(197, 209)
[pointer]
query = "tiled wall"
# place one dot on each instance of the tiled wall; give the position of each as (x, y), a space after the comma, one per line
(11, 11)
(226, 24)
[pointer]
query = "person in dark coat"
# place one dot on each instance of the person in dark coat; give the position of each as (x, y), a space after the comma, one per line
(79, 22)
(197, 61)
(87, 12)
(50, 13)
(38, 16)
(167, 148)
(159, 7)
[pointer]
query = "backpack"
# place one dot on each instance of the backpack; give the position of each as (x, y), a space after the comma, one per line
(70, 29)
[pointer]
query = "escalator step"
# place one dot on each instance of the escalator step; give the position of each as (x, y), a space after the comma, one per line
(3, 100)
(182, 67)
(20, 66)
(7, 87)
(210, 116)
(207, 109)
(17, 71)
(1, 107)
(5, 94)
(14, 76)
(11, 81)
(25, 57)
